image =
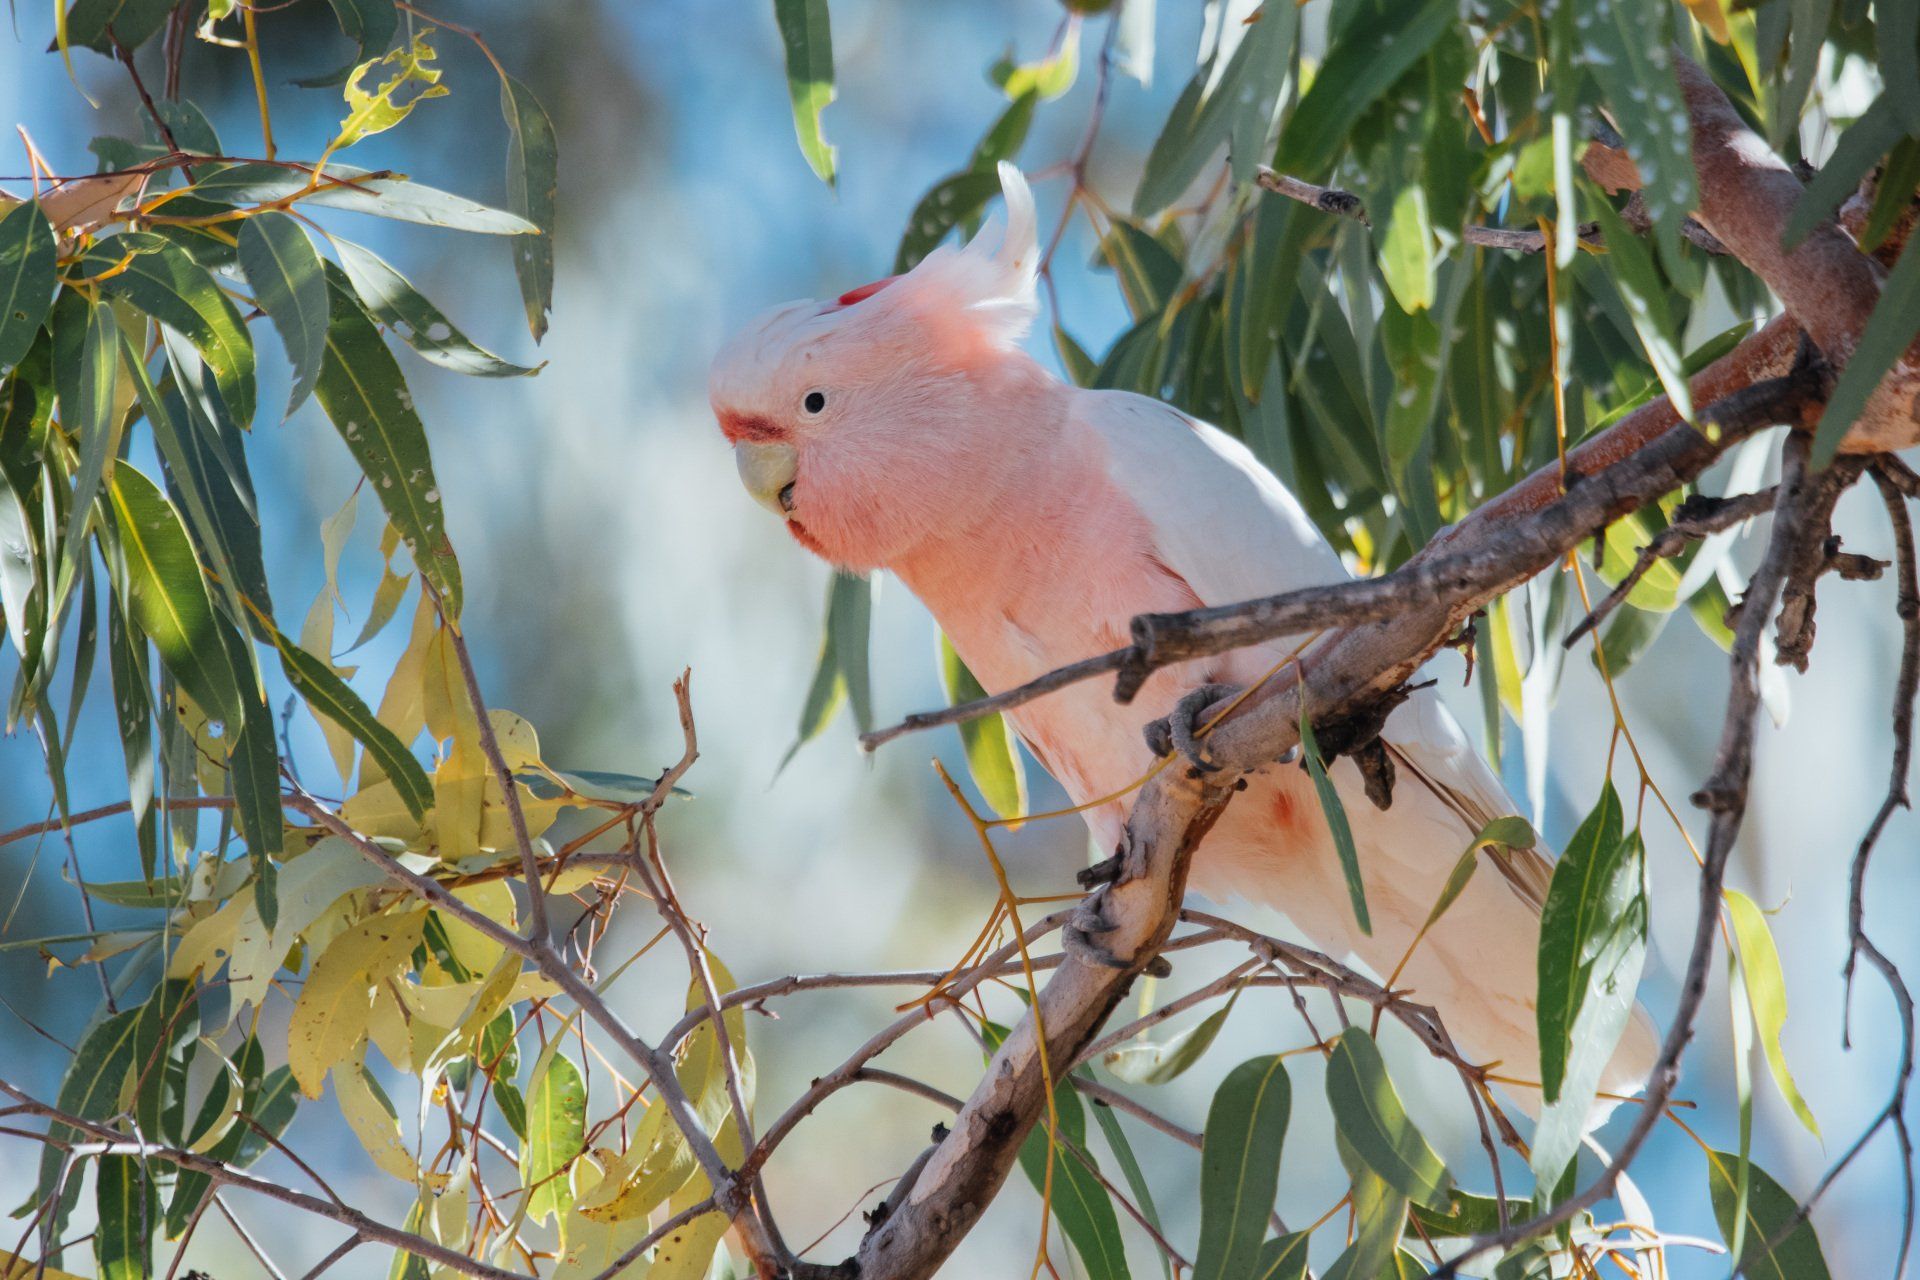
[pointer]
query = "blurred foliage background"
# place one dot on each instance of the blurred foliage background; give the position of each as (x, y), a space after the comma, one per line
(606, 546)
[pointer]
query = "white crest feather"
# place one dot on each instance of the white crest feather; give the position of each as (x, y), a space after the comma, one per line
(993, 276)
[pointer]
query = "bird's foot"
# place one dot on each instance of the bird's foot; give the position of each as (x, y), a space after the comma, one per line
(1179, 731)
(1081, 937)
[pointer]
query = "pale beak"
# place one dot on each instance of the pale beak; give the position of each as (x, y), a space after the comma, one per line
(768, 471)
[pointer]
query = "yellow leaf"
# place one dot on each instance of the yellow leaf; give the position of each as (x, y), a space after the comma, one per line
(208, 943)
(686, 1253)
(373, 1121)
(1767, 996)
(591, 1245)
(380, 110)
(657, 1164)
(316, 637)
(15, 1267)
(307, 886)
(377, 810)
(331, 1015)
(389, 1024)
(492, 899)
(402, 706)
(1711, 15)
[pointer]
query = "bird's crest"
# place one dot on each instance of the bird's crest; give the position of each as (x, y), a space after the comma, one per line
(987, 284)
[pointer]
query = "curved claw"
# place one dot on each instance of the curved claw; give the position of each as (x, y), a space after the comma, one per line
(1079, 944)
(1179, 730)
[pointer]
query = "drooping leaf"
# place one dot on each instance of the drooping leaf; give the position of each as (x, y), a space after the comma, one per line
(1379, 1216)
(1240, 1166)
(1129, 1163)
(1859, 149)
(1080, 1203)
(395, 303)
(314, 679)
(1375, 1126)
(1375, 47)
(1631, 60)
(90, 1089)
(805, 31)
(1769, 1208)
(1631, 269)
(87, 409)
(27, 280)
(1890, 329)
(363, 392)
(163, 281)
(1766, 987)
(1230, 102)
(330, 1015)
(291, 288)
(533, 177)
(992, 758)
(169, 598)
(849, 613)
(128, 1213)
(556, 1134)
(1593, 934)
(1336, 816)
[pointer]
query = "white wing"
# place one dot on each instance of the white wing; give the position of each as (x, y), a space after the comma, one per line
(1227, 525)
(1221, 520)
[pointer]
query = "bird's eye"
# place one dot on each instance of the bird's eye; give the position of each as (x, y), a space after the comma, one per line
(815, 401)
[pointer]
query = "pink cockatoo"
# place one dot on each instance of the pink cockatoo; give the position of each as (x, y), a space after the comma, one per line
(901, 427)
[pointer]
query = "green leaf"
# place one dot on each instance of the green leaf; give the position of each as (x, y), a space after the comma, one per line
(1769, 1208)
(1467, 1214)
(1766, 987)
(1406, 250)
(533, 179)
(86, 409)
(1283, 1258)
(1240, 1166)
(1047, 78)
(365, 395)
(1238, 108)
(556, 1134)
(1631, 268)
(90, 1090)
(168, 598)
(1129, 1163)
(1336, 815)
(1148, 273)
(370, 24)
(27, 280)
(167, 284)
(1080, 1203)
(849, 617)
(169, 1020)
(1893, 324)
(805, 32)
(314, 679)
(992, 758)
(1379, 1216)
(1593, 936)
(254, 761)
(1632, 62)
(1371, 1120)
(1380, 41)
(291, 288)
(1144, 1062)
(350, 188)
(949, 203)
(395, 303)
(1897, 37)
(129, 1211)
(1859, 149)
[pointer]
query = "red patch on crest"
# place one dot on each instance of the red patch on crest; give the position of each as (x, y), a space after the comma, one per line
(865, 291)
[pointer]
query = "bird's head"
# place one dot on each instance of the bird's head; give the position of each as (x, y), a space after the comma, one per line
(870, 422)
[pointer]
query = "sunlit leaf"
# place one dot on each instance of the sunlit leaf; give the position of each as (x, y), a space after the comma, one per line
(375, 110)
(330, 1014)
(291, 288)
(556, 1130)
(363, 392)
(808, 38)
(395, 303)
(128, 1213)
(26, 280)
(1371, 1120)
(1766, 987)
(163, 281)
(993, 760)
(533, 160)
(353, 189)
(1593, 934)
